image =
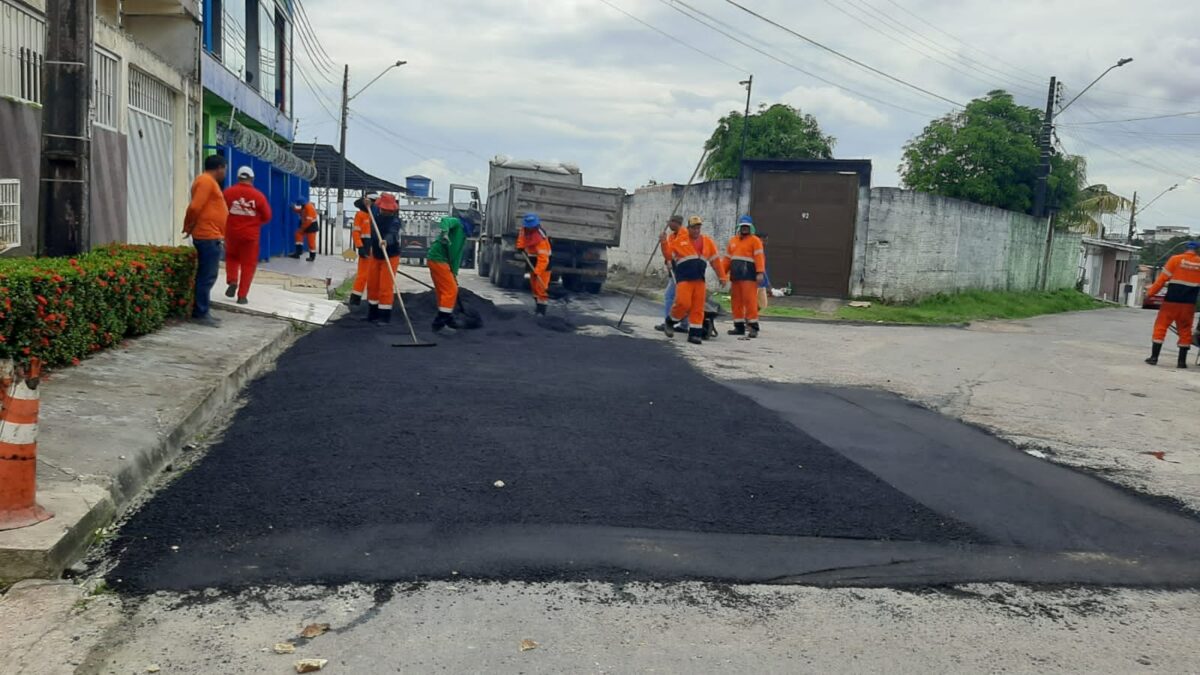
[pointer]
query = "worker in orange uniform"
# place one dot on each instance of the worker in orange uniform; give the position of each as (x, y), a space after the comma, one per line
(536, 245)
(747, 264)
(248, 212)
(691, 255)
(307, 232)
(445, 257)
(361, 237)
(204, 222)
(385, 258)
(1181, 276)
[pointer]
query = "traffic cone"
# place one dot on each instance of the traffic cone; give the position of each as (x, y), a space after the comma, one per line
(19, 405)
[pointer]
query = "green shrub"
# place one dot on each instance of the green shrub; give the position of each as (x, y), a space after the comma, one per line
(63, 309)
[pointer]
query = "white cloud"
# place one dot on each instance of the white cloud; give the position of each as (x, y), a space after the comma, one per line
(829, 102)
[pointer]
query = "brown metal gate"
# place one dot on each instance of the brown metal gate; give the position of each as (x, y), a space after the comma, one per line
(810, 219)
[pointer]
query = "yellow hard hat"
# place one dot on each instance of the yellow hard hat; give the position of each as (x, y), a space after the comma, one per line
(695, 220)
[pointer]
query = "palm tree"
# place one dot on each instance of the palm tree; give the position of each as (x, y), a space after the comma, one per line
(1096, 201)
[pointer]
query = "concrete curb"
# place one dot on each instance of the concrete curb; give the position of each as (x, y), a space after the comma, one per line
(92, 500)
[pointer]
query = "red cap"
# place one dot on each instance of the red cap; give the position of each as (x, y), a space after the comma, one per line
(387, 202)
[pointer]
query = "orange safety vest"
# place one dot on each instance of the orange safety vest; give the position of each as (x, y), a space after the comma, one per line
(1181, 276)
(746, 260)
(362, 229)
(691, 261)
(538, 252)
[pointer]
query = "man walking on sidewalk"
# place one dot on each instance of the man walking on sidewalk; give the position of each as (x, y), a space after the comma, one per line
(248, 212)
(307, 232)
(747, 264)
(204, 222)
(1181, 276)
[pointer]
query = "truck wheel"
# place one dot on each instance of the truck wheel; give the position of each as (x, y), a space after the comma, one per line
(483, 265)
(571, 283)
(593, 287)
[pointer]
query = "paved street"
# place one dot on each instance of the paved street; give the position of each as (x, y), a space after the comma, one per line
(362, 487)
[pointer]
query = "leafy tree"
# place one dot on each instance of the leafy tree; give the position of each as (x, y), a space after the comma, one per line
(1156, 253)
(776, 132)
(988, 153)
(1095, 202)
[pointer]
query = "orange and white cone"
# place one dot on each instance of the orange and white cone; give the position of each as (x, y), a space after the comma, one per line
(19, 405)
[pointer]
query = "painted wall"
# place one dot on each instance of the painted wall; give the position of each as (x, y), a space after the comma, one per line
(647, 210)
(21, 138)
(918, 244)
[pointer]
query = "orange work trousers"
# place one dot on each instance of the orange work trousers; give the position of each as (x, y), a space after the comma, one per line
(689, 302)
(540, 285)
(241, 261)
(309, 237)
(445, 285)
(1178, 313)
(362, 275)
(745, 300)
(381, 284)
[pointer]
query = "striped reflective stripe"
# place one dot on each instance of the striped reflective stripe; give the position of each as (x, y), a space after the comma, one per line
(687, 258)
(446, 310)
(21, 392)
(18, 434)
(743, 258)
(387, 307)
(1167, 273)
(758, 251)
(20, 411)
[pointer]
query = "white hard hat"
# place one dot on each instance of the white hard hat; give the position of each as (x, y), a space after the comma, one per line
(245, 172)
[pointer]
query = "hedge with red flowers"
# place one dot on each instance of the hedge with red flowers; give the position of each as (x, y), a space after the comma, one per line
(63, 309)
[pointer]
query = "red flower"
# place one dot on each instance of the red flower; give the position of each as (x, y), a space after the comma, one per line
(75, 361)
(42, 300)
(57, 278)
(103, 283)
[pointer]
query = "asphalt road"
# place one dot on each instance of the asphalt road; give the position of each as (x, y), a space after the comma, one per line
(358, 461)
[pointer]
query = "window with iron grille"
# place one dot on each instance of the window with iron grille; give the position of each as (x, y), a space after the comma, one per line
(149, 95)
(10, 214)
(106, 75)
(22, 50)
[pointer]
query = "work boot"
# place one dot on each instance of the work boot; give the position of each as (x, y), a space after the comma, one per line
(541, 309)
(312, 255)
(385, 316)
(1183, 352)
(668, 328)
(710, 330)
(1155, 348)
(440, 321)
(372, 313)
(296, 253)
(355, 300)
(753, 329)
(451, 322)
(230, 290)
(739, 328)
(696, 336)
(243, 300)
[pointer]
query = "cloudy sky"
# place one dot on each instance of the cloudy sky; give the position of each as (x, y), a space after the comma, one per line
(581, 81)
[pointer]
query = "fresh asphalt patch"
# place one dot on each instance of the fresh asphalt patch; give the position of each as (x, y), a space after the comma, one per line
(525, 450)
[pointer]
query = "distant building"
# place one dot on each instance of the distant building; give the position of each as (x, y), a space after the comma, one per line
(1165, 233)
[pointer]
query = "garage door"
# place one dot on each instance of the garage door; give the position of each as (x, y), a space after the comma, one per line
(810, 219)
(151, 161)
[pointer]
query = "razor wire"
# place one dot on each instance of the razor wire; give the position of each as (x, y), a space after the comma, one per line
(258, 145)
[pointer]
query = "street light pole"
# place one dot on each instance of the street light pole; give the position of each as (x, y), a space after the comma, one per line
(1134, 210)
(748, 84)
(346, 98)
(1043, 174)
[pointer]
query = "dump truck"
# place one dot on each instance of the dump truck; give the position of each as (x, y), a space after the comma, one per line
(581, 221)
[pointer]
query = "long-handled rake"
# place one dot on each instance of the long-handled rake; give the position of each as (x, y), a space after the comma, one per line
(399, 297)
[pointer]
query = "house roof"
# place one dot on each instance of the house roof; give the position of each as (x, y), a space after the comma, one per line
(1105, 243)
(328, 163)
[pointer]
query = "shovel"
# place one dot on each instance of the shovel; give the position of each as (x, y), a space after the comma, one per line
(472, 318)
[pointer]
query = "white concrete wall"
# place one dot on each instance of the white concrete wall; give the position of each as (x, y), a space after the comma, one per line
(647, 210)
(918, 244)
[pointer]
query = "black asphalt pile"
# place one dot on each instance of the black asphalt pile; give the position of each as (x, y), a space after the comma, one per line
(350, 443)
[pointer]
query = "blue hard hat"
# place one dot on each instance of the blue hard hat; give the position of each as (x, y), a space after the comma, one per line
(300, 202)
(531, 221)
(1193, 245)
(745, 220)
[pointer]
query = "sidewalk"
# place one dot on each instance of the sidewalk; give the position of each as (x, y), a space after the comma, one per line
(110, 425)
(288, 288)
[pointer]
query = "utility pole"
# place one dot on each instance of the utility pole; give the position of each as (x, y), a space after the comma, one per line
(1043, 172)
(1132, 220)
(748, 83)
(341, 191)
(66, 128)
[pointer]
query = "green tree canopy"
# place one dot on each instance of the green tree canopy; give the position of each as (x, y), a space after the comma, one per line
(776, 132)
(988, 153)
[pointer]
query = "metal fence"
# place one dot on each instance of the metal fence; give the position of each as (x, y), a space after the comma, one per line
(22, 50)
(106, 79)
(10, 214)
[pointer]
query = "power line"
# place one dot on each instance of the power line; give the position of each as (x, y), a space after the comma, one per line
(675, 39)
(670, 4)
(302, 14)
(842, 56)
(1134, 119)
